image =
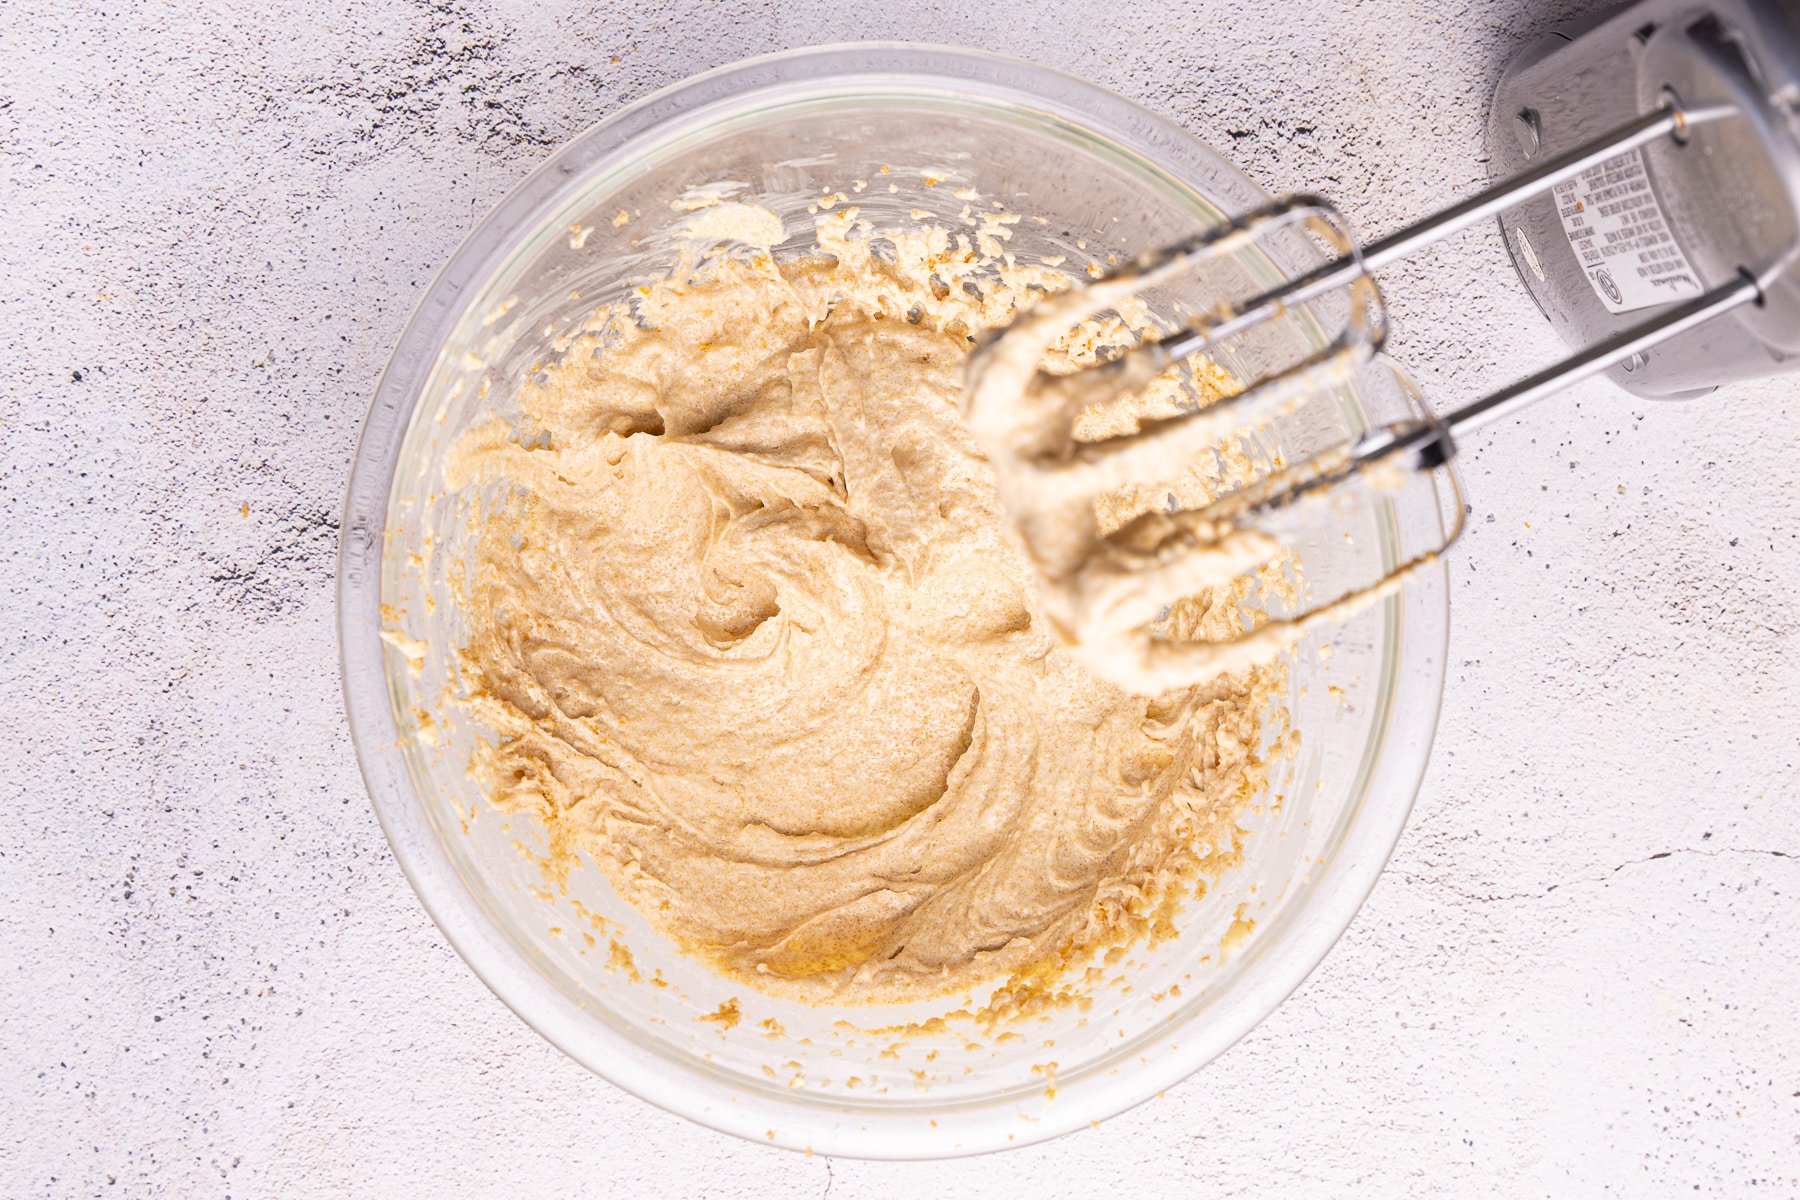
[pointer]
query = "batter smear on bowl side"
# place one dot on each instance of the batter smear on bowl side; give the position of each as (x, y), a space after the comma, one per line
(747, 629)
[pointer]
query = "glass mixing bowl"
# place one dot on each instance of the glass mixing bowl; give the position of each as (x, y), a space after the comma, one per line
(1106, 177)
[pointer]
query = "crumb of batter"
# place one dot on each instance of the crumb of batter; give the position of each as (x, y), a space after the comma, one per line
(726, 1016)
(749, 632)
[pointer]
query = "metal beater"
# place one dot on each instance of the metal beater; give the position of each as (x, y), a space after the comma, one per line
(1656, 159)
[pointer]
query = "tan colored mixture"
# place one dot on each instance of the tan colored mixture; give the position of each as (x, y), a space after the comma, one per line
(749, 633)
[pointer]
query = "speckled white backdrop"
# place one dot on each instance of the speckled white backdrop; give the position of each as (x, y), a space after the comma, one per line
(1579, 976)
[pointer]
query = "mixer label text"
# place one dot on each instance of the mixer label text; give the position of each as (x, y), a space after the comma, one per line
(1621, 236)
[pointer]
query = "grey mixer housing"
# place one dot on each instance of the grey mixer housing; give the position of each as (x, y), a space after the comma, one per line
(1674, 218)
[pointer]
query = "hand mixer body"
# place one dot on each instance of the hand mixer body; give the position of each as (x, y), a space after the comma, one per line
(1666, 222)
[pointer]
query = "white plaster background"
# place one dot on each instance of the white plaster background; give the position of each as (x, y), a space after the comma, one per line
(1578, 977)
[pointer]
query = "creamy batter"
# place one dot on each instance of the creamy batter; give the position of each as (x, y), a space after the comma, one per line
(749, 632)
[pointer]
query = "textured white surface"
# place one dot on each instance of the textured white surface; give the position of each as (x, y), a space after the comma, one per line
(1578, 977)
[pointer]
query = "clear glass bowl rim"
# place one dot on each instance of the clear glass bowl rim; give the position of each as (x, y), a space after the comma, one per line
(1345, 883)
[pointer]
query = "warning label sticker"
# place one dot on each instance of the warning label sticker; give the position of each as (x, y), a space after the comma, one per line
(1621, 237)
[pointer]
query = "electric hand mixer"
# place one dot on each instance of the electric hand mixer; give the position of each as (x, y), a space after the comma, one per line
(1653, 211)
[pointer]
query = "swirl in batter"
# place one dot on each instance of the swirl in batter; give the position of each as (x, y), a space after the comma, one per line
(748, 632)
